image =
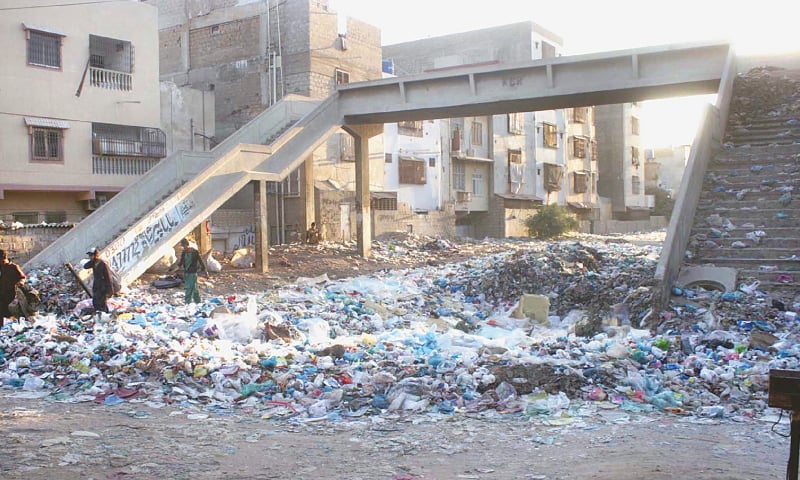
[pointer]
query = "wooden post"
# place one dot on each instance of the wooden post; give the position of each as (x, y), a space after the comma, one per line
(80, 282)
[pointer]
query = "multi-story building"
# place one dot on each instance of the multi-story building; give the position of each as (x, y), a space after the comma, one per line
(496, 169)
(667, 165)
(79, 105)
(252, 54)
(621, 162)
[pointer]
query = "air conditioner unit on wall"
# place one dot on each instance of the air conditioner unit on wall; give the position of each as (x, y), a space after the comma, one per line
(463, 197)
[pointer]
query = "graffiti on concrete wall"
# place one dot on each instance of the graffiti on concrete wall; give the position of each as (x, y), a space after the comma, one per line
(246, 238)
(132, 247)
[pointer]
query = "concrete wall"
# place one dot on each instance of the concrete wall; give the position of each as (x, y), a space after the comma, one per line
(610, 153)
(434, 223)
(187, 118)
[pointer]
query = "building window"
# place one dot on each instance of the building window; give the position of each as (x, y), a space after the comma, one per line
(516, 123)
(342, 77)
(347, 148)
(635, 156)
(44, 49)
(432, 162)
(579, 147)
(579, 114)
(594, 151)
(515, 167)
(412, 171)
(26, 218)
(477, 133)
(549, 135)
(412, 128)
(55, 217)
(459, 177)
(47, 144)
(455, 140)
(634, 125)
(387, 158)
(580, 182)
(386, 201)
(477, 184)
(636, 185)
(216, 30)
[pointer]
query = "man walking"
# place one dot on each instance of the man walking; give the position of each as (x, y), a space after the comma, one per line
(10, 276)
(102, 287)
(191, 262)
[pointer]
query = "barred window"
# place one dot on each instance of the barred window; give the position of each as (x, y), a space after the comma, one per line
(44, 49)
(580, 182)
(46, 144)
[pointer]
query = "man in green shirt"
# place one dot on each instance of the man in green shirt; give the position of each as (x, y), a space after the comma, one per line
(191, 262)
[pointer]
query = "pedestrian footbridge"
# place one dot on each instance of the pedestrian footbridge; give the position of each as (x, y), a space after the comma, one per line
(141, 223)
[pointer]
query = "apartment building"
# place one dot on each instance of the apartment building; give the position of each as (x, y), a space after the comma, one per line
(79, 106)
(251, 54)
(621, 162)
(495, 170)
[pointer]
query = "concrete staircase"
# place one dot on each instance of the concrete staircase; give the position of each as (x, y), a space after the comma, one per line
(748, 217)
(138, 225)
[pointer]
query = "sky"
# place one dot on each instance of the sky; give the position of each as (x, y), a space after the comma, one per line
(586, 26)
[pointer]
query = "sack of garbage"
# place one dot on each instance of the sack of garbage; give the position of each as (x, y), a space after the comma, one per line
(243, 258)
(213, 264)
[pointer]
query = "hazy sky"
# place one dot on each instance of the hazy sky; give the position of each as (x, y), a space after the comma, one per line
(756, 26)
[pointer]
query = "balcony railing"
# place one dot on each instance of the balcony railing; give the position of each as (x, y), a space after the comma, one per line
(128, 141)
(104, 165)
(110, 79)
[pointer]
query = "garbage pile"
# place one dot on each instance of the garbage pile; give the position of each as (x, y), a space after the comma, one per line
(439, 339)
(762, 90)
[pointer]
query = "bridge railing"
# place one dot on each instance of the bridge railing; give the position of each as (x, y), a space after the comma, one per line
(706, 143)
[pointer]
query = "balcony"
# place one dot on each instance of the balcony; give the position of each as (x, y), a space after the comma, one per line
(125, 149)
(128, 140)
(110, 79)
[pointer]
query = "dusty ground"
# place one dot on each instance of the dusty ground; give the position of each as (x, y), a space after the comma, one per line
(48, 440)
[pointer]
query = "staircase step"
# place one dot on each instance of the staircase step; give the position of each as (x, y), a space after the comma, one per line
(759, 223)
(777, 232)
(782, 255)
(750, 263)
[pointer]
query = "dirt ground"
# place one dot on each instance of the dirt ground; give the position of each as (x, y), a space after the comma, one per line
(47, 440)
(41, 439)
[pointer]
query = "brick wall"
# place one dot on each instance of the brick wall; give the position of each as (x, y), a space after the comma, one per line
(170, 51)
(224, 42)
(23, 244)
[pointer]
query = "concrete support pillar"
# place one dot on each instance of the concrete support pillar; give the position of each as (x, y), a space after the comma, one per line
(362, 134)
(262, 226)
(308, 191)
